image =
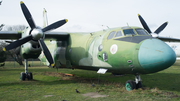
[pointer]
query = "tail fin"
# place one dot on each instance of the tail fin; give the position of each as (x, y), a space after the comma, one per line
(45, 20)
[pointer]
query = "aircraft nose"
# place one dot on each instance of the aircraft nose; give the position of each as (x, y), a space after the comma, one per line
(155, 55)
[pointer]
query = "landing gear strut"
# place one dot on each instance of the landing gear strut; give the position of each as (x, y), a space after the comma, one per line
(138, 81)
(25, 75)
(130, 85)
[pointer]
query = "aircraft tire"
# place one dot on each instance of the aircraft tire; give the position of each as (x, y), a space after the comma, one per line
(29, 76)
(139, 85)
(23, 76)
(130, 85)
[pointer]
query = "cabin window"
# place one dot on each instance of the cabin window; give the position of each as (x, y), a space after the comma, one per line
(128, 32)
(141, 32)
(118, 34)
(111, 35)
(100, 47)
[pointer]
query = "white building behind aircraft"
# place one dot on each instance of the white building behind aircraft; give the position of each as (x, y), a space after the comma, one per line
(176, 47)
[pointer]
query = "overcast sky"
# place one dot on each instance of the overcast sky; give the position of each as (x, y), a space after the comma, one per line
(90, 15)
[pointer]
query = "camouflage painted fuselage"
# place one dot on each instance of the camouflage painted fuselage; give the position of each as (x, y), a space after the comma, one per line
(127, 54)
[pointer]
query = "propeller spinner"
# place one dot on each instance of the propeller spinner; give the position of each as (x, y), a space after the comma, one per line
(35, 34)
(144, 24)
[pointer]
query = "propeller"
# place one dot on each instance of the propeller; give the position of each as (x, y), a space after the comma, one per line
(36, 33)
(144, 24)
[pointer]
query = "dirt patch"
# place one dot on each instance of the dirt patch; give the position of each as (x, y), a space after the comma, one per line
(58, 74)
(94, 95)
(64, 76)
(48, 96)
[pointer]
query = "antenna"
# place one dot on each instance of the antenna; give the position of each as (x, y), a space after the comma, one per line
(104, 28)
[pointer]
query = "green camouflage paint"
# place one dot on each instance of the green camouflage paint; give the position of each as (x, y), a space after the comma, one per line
(122, 55)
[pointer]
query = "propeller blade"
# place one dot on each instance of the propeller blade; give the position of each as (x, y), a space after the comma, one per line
(161, 28)
(46, 52)
(55, 25)
(144, 23)
(28, 16)
(18, 43)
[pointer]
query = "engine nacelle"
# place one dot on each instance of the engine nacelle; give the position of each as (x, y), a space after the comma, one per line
(30, 50)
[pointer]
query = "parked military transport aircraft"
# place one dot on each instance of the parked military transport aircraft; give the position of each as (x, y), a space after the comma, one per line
(125, 50)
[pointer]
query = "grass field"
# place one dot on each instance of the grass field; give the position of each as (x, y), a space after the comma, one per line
(50, 84)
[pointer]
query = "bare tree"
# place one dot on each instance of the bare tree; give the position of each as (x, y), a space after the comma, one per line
(1, 26)
(0, 2)
(14, 28)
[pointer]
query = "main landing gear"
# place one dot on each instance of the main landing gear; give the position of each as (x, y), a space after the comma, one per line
(25, 75)
(130, 85)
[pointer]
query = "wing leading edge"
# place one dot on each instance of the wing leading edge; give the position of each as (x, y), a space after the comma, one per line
(10, 35)
(168, 39)
(60, 36)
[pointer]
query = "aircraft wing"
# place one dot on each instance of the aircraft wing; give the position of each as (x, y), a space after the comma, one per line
(10, 35)
(60, 36)
(168, 39)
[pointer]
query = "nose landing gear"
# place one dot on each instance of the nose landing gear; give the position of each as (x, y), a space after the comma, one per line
(130, 85)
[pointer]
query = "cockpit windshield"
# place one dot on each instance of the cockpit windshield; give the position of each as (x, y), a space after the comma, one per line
(141, 32)
(128, 32)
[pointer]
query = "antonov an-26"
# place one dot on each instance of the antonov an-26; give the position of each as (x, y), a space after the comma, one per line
(123, 50)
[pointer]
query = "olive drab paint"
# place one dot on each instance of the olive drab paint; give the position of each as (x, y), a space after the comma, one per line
(122, 54)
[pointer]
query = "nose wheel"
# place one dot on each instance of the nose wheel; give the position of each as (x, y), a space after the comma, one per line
(130, 84)
(25, 75)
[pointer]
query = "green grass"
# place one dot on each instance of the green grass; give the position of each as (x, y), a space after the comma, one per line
(49, 84)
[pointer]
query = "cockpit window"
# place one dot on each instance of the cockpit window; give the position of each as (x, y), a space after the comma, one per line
(118, 34)
(128, 32)
(141, 32)
(111, 35)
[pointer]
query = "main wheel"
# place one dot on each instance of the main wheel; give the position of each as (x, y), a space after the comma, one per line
(130, 85)
(29, 76)
(23, 76)
(139, 85)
